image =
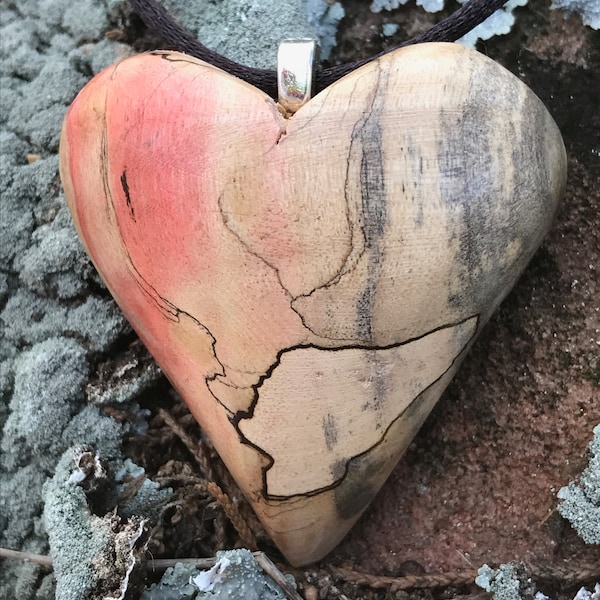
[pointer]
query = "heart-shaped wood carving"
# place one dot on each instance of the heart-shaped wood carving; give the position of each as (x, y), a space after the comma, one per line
(310, 285)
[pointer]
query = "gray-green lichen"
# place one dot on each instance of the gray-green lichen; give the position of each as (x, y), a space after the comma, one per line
(580, 502)
(235, 576)
(501, 22)
(78, 539)
(589, 10)
(54, 317)
(508, 582)
(98, 551)
(502, 583)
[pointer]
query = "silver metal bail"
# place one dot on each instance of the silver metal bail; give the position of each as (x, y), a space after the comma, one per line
(295, 69)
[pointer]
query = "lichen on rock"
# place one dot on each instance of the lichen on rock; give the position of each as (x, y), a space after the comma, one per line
(98, 552)
(580, 502)
(236, 575)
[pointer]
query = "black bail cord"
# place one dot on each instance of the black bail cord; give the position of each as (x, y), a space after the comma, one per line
(157, 18)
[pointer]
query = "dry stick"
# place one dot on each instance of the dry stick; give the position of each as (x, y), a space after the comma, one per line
(261, 558)
(274, 573)
(234, 515)
(585, 572)
(163, 564)
(38, 559)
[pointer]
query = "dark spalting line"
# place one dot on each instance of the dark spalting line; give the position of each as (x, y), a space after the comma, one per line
(104, 164)
(366, 141)
(360, 483)
(224, 219)
(171, 57)
(330, 431)
(169, 310)
(371, 176)
(269, 460)
(173, 313)
(278, 274)
(344, 269)
(125, 187)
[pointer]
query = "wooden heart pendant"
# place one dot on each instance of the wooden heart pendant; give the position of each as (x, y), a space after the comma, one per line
(311, 284)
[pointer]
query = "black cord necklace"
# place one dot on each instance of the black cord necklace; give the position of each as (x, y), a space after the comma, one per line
(157, 18)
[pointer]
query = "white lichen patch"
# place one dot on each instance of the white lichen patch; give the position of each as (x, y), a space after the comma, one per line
(581, 501)
(588, 10)
(501, 22)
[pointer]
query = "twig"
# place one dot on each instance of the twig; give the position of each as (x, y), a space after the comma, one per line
(162, 564)
(276, 575)
(234, 515)
(38, 559)
(583, 572)
(261, 558)
(155, 564)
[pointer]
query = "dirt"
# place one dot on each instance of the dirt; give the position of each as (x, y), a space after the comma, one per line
(479, 483)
